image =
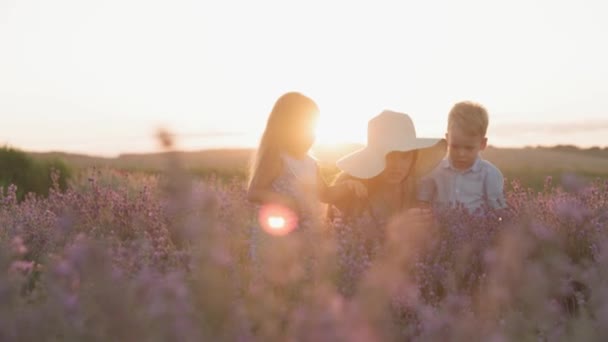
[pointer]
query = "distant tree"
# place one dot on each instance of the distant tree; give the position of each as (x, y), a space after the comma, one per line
(28, 174)
(567, 148)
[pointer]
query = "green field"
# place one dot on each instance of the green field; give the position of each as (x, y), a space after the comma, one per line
(530, 166)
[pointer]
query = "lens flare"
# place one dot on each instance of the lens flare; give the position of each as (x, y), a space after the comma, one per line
(277, 220)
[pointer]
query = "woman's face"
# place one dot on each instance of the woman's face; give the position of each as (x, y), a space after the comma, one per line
(398, 165)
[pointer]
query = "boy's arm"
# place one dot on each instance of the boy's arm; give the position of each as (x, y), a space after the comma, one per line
(260, 190)
(495, 189)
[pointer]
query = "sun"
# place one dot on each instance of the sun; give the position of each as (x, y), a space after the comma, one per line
(337, 132)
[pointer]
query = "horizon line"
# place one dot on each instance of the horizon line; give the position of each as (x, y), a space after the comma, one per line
(246, 147)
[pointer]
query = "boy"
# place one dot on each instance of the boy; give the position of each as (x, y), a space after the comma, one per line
(464, 178)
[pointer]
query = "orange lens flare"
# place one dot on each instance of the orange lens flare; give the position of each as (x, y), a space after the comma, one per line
(277, 220)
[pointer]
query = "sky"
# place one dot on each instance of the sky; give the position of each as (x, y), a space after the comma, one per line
(101, 77)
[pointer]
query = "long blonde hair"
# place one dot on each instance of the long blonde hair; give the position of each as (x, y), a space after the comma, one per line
(288, 112)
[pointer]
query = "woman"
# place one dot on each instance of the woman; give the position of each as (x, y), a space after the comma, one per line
(389, 166)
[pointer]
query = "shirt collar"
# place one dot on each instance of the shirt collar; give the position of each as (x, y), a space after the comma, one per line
(445, 163)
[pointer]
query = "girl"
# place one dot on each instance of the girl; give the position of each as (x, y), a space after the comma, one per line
(284, 176)
(287, 185)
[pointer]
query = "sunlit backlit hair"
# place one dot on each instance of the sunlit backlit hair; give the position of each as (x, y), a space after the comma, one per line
(291, 113)
(470, 117)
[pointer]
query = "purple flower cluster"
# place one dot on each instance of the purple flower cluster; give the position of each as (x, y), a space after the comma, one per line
(120, 256)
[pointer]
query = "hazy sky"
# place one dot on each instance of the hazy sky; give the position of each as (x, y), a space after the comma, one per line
(101, 76)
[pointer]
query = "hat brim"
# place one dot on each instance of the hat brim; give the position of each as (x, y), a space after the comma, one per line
(369, 162)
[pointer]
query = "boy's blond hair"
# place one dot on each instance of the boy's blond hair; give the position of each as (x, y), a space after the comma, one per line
(469, 116)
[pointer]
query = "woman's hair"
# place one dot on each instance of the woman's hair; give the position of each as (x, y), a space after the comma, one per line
(289, 113)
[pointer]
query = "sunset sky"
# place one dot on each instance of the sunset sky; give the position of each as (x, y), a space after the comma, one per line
(100, 77)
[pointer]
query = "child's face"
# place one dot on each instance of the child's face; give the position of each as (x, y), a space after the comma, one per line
(463, 148)
(398, 165)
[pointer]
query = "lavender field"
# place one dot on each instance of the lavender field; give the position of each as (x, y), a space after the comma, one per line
(126, 257)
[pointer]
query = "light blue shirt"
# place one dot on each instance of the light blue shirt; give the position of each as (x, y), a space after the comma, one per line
(450, 187)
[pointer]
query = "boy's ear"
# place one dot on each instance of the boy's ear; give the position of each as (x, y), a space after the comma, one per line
(484, 143)
(446, 135)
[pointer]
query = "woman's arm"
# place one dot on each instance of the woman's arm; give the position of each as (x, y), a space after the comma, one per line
(340, 190)
(348, 205)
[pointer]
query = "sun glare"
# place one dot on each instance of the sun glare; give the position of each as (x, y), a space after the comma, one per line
(333, 132)
(277, 220)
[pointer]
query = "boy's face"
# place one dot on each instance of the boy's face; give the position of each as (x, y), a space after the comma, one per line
(463, 148)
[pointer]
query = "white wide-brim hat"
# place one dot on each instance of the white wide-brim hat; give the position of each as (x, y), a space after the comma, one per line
(388, 132)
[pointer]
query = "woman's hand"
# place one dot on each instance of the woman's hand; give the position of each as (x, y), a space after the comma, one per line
(417, 218)
(356, 187)
(413, 226)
